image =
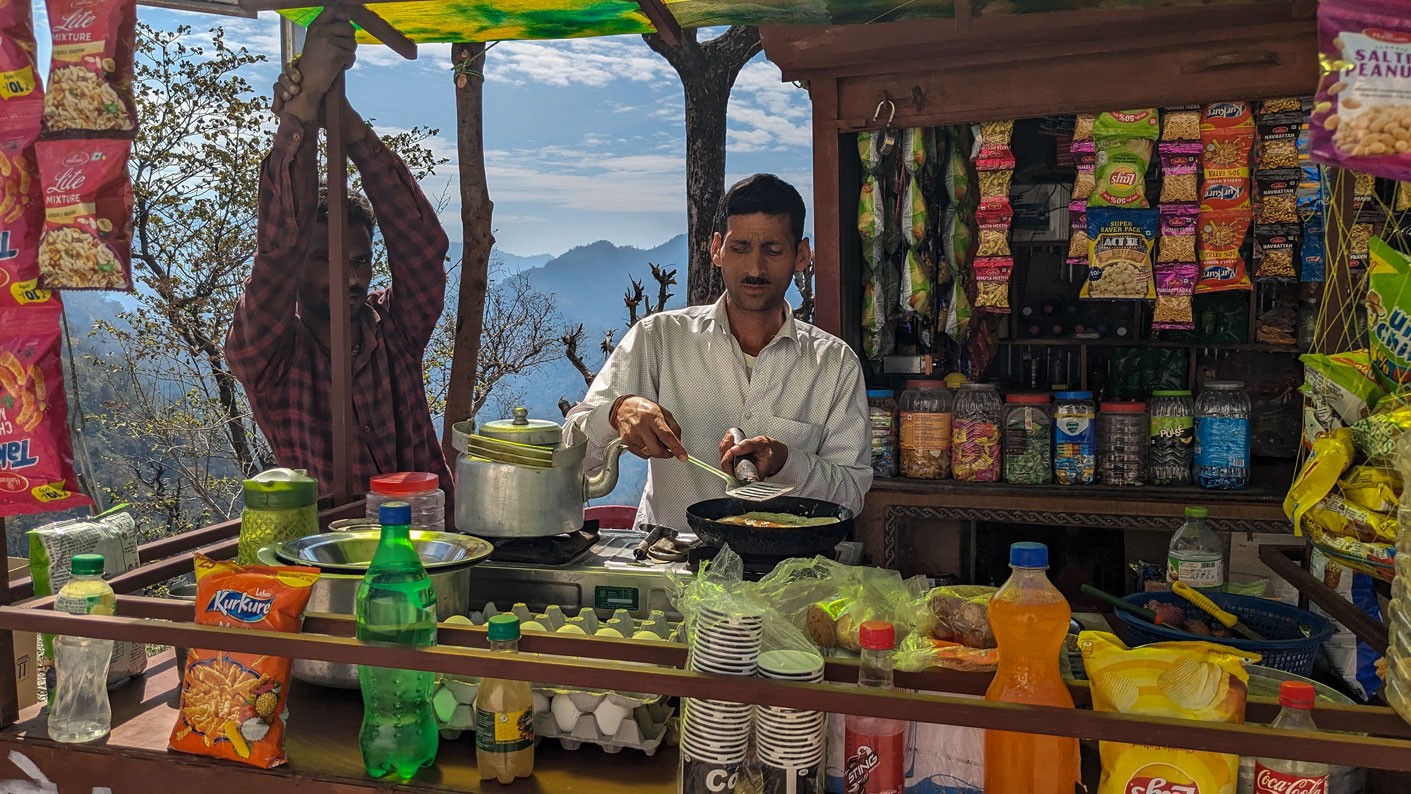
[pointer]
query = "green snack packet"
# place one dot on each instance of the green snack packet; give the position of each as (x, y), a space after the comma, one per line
(1344, 382)
(1120, 173)
(1389, 314)
(1376, 436)
(871, 222)
(1139, 123)
(915, 217)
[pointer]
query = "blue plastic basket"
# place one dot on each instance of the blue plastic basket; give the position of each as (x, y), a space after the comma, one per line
(1294, 634)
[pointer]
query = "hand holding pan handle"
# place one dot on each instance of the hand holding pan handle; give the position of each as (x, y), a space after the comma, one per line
(745, 469)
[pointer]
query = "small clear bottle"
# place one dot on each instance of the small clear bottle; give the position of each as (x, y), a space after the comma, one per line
(1282, 776)
(875, 747)
(504, 715)
(1196, 555)
(79, 710)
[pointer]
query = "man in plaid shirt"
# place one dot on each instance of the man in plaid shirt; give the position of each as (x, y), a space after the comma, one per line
(278, 344)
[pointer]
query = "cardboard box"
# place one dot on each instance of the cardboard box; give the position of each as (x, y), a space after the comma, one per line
(26, 649)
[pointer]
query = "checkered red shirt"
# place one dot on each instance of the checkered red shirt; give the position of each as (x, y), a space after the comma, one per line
(287, 372)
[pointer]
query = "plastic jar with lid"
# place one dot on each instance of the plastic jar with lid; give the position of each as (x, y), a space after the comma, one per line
(925, 421)
(1222, 436)
(1075, 438)
(882, 415)
(1124, 435)
(280, 505)
(1172, 437)
(1028, 439)
(975, 438)
(420, 489)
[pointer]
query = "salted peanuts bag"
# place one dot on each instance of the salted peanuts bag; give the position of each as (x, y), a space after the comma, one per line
(36, 457)
(1362, 114)
(87, 240)
(1182, 680)
(232, 704)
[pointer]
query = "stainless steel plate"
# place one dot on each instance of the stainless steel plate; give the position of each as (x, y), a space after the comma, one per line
(352, 551)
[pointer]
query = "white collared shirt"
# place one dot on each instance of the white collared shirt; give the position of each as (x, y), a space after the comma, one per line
(805, 390)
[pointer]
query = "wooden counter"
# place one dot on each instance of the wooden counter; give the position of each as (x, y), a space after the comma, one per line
(322, 744)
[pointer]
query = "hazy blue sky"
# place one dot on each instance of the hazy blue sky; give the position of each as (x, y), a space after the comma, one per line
(585, 138)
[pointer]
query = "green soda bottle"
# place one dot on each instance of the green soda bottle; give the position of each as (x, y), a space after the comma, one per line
(396, 606)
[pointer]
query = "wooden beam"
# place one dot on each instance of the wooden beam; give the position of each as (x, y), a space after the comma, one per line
(380, 29)
(340, 314)
(289, 5)
(660, 16)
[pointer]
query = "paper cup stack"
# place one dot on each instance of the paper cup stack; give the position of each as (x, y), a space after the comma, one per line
(715, 734)
(790, 741)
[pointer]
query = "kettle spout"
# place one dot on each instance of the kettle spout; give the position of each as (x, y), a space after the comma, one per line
(602, 483)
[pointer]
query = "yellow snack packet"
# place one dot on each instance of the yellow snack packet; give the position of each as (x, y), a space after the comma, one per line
(1184, 680)
(1374, 487)
(1341, 517)
(1330, 457)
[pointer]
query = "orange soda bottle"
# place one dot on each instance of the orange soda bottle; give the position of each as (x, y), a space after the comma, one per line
(1030, 620)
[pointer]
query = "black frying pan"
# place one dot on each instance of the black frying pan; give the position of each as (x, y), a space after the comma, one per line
(704, 518)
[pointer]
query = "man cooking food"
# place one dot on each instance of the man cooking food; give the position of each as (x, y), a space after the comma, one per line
(680, 379)
(279, 340)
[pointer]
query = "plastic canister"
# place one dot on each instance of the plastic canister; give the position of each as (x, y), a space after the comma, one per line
(925, 421)
(280, 505)
(1124, 436)
(882, 415)
(1028, 439)
(1075, 438)
(420, 489)
(1222, 436)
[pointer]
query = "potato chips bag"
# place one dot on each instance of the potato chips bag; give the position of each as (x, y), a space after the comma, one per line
(1389, 314)
(1183, 680)
(232, 704)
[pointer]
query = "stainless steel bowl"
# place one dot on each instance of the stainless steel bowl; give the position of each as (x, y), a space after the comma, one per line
(343, 557)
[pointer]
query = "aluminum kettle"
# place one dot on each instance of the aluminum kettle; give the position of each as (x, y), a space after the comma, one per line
(517, 479)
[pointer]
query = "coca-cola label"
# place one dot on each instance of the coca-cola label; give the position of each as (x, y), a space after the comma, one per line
(1270, 781)
(874, 764)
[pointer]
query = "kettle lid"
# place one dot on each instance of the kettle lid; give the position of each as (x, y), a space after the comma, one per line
(523, 430)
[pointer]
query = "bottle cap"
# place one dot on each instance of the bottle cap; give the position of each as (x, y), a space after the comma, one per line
(925, 384)
(394, 514)
(1115, 407)
(876, 635)
(1027, 399)
(1197, 512)
(880, 394)
(86, 565)
(1075, 395)
(504, 628)
(1171, 393)
(1297, 694)
(1028, 555)
(404, 483)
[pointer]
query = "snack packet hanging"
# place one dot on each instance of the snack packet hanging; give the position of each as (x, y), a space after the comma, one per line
(232, 704)
(87, 240)
(1180, 172)
(1119, 254)
(1178, 680)
(1376, 488)
(21, 94)
(992, 284)
(1139, 123)
(1181, 123)
(1312, 263)
(1175, 284)
(90, 73)
(1274, 249)
(1278, 141)
(1078, 230)
(36, 456)
(1389, 314)
(1222, 265)
(1376, 436)
(1120, 172)
(20, 220)
(1178, 234)
(1085, 160)
(1342, 517)
(1226, 162)
(1330, 457)
(1362, 116)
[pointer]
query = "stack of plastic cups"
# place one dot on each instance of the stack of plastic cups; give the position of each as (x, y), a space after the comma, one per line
(715, 734)
(790, 741)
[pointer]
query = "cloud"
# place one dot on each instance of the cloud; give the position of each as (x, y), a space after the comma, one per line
(594, 63)
(767, 114)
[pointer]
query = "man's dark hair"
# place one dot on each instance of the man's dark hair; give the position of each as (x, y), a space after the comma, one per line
(359, 209)
(763, 193)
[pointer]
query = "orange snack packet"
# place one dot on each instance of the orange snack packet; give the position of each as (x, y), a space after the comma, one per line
(232, 704)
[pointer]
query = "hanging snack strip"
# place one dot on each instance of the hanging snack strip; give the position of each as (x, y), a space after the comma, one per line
(1227, 132)
(1084, 159)
(872, 228)
(959, 231)
(1179, 153)
(1309, 197)
(1276, 179)
(994, 166)
(1121, 230)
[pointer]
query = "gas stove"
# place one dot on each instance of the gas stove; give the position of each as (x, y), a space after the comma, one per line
(605, 577)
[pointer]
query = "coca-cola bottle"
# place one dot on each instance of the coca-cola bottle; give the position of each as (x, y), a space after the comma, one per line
(1280, 776)
(874, 747)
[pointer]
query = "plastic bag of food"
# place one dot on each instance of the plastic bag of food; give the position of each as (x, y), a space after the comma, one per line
(915, 217)
(1389, 314)
(1401, 202)
(918, 652)
(1226, 162)
(1222, 265)
(1376, 436)
(1120, 172)
(1274, 251)
(1181, 123)
(1178, 234)
(1341, 517)
(21, 95)
(960, 613)
(1312, 265)
(87, 240)
(1174, 680)
(1078, 230)
(1342, 381)
(1278, 141)
(1373, 487)
(232, 704)
(1330, 457)
(1375, 559)
(1119, 254)
(1138, 123)
(90, 73)
(1362, 116)
(113, 535)
(1180, 172)
(1085, 161)
(36, 456)
(20, 218)
(1175, 284)
(871, 221)
(1277, 196)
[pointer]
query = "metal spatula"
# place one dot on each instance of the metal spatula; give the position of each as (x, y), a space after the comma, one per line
(746, 483)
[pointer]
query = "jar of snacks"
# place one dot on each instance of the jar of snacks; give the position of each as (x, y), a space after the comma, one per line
(1222, 436)
(1123, 434)
(1172, 437)
(882, 414)
(925, 421)
(1075, 438)
(975, 440)
(420, 489)
(1028, 439)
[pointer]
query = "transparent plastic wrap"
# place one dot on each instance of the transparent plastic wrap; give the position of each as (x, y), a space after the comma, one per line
(1398, 655)
(959, 614)
(720, 593)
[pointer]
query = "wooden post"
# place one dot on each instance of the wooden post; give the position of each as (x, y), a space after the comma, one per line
(1336, 331)
(477, 236)
(9, 687)
(828, 312)
(340, 315)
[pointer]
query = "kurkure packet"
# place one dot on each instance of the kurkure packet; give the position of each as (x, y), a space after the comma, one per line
(1180, 680)
(1362, 115)
(232, 704)
(1389, 314)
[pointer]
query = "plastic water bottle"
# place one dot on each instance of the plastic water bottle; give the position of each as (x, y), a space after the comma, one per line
(78, 709)
(1030, 619)
(1196, 556)
(504, 715)
(875, 747)
(396, 605)
(1281, 776)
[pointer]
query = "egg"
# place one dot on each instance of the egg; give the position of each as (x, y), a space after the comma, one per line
(608, 632)
(646, 635)
(565, 713)
(609, 716)
(533, 625)
(541, 704)
(571, 628)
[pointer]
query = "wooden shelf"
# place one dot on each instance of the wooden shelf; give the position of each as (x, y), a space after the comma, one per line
(1167, 343)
